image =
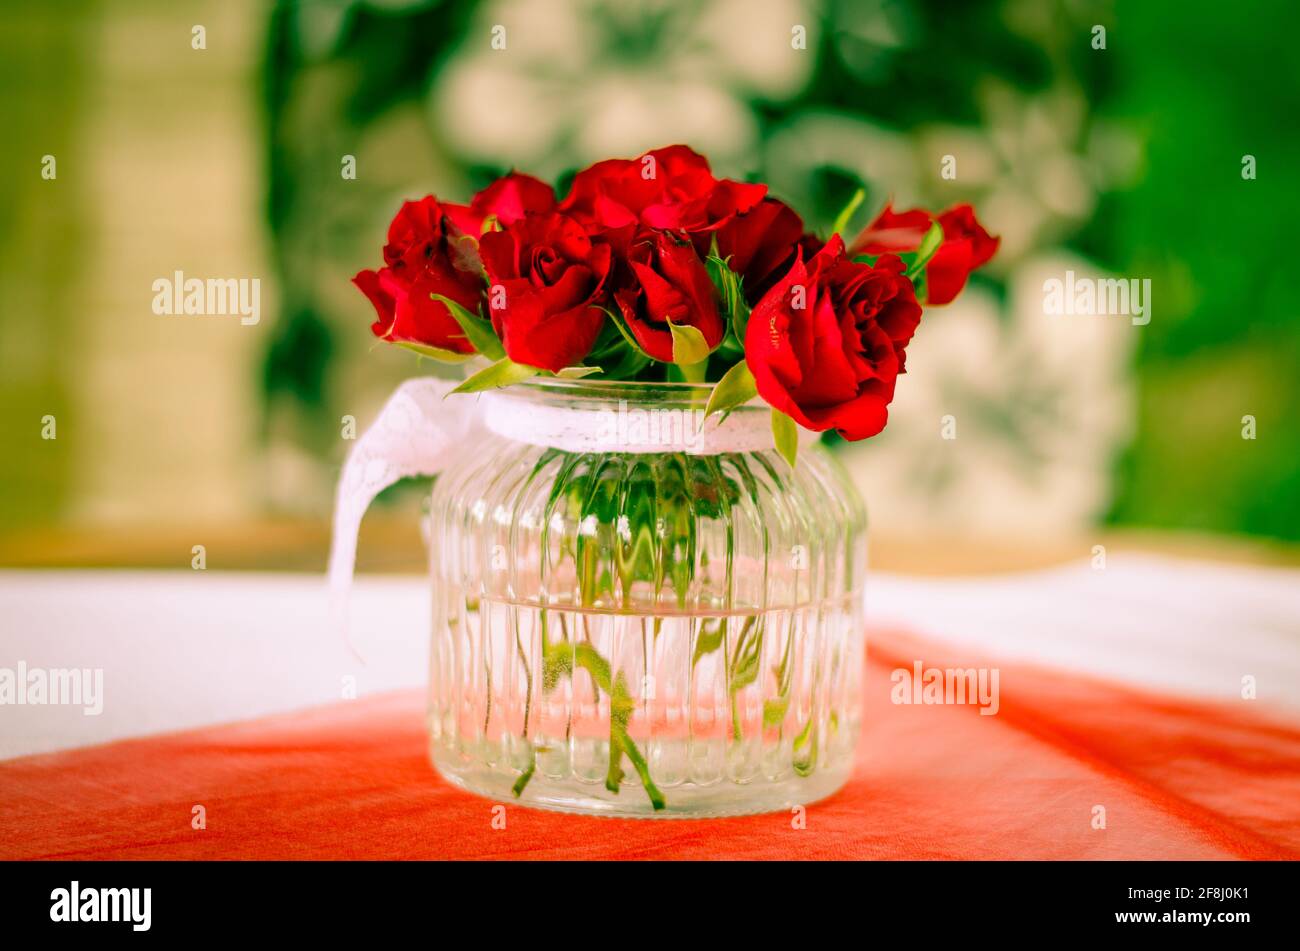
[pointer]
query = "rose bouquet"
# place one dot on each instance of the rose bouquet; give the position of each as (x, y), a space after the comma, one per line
(691, 608)
(651, 269)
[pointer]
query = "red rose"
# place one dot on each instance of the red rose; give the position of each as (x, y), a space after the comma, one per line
(668, 283)
(966, 245)
(810, 244)
(546, 278)
(825, 344)
(758, 244)
(670, 188)
(507, 200)
(425, 254)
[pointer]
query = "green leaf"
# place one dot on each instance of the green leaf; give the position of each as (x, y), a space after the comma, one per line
(846, 214)
(502, 373)
(576, 373)
(594, 664)
(525, 776)
(736, 388)
(744, 664)
(709, 640)
(785, 434)
(773, 712)
(434, 353)
(557, 662)
(478, 331)
(689, 345)
(929, 244)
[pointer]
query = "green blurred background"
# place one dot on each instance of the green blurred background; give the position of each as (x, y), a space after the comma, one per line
(226, 161)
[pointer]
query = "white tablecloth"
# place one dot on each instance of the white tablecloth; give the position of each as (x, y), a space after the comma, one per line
(181, 650)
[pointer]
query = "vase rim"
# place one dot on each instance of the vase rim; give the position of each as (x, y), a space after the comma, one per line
(597, 393)
(631, 386)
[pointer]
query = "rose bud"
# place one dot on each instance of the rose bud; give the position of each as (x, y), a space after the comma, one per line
(506, 200)
(424, 256)
(758, 244)
(667, 283)
(826, 342)
(966, 245)
(546, 281)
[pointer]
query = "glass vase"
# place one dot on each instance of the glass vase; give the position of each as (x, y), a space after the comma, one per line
(631, 619)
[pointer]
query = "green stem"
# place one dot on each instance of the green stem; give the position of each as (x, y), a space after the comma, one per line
(643, 771)
(621, 703)
(527, 774)
(742, 670)
(528, 678)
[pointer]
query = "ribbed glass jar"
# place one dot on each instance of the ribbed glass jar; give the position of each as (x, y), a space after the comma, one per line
(644, 633)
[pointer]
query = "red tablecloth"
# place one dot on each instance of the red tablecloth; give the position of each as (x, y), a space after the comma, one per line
(1177, 779)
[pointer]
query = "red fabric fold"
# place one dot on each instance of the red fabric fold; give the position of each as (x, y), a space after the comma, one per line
(1176, 779)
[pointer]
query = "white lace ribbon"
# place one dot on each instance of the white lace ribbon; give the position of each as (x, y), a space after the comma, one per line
(419, 433)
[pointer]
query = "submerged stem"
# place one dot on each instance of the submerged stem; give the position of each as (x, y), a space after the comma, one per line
(621, 703)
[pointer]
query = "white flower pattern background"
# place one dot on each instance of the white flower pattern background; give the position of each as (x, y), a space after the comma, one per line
(1075, 156)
